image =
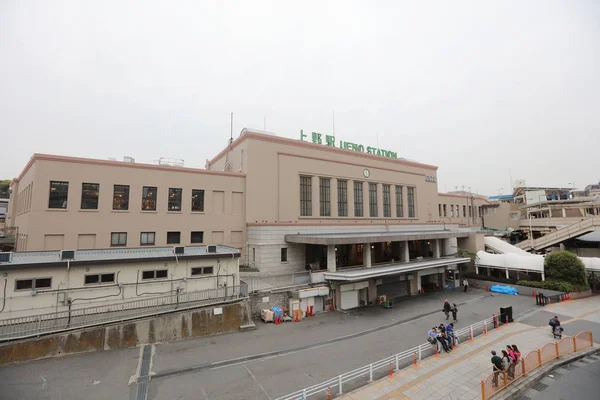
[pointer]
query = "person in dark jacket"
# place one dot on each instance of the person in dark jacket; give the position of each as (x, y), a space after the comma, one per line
(446, 309)
(454, 311)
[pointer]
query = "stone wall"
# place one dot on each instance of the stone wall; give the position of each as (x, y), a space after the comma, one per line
(274, 299)
(175, 326)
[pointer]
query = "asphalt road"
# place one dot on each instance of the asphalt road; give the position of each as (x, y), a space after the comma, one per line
(285, 358)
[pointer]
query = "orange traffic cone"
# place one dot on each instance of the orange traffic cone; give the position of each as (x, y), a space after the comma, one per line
(296, 317)
(307, 313)
(533, 293)
(436, 350)
(391, 373)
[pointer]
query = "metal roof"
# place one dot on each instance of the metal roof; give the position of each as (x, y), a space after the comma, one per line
(47, 258)
(371, 237)
(590, 237)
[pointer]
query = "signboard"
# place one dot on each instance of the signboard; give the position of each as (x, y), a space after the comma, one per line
(328, 140)
(429, 178)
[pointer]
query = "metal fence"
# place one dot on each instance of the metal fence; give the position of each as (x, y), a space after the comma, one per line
(368, 373)
(268, 282)
(35, 325)
(499, 380)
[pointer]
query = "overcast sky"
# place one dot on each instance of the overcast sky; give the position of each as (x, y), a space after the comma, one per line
(481, 89)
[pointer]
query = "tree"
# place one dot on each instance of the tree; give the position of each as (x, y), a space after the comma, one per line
(4, 189)
(565, 266)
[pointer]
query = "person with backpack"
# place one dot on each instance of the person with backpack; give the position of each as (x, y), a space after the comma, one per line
(512, 362)
(496, 367)
(446, 309)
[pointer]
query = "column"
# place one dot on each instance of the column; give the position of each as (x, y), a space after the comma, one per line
(331, 258)
(367, 255)
(450, 246)
(562, 247)
(436, 248)
(564, 212)
(507, 276)
(543, 276)
(476, 269)
(406, 254)
(488, 271)
(549, 212)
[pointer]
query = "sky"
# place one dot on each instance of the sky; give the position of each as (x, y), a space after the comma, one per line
(483, 90)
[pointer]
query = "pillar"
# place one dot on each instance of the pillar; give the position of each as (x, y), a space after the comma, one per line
(331, 258)
(564, 212)
(562, 247)
(436, 248)
(549, 212)
(406, 254)
(543, 276)
(488, 271)
(450, 246)
(367, 255)
(507, 276)
(476, 269)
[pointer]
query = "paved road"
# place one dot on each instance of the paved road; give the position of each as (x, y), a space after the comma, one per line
(332, 343)
(579, 380)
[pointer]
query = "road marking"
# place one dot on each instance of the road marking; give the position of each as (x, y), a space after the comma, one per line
(259, 385)
(145, 372)
(204, 392)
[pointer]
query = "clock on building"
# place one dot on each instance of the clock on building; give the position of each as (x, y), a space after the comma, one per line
(366, 173)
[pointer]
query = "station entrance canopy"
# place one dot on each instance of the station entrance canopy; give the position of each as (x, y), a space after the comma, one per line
(327, 239)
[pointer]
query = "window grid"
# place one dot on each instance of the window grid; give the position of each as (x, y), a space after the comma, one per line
(99, 279)
(197, 237)
(305, 196)
(202, 271)
(173, 237)
(89, 196)
(155, 274)
(387, 207)
(439, 210)
(445, 211)
(372, 199)
(410, 194)
(59, 193)
(399, 202)
(34, 283)
(198, 200)
(284, 255)
(342, 192)
(121, 197)
(457, 211)
(464, 211)
(325, 196)
(147, 238)
(175, 199)
(118, 239)
(358, 199)
(149, 195)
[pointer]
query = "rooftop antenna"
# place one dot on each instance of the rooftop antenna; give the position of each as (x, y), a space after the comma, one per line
(333, 121)
(230, 141)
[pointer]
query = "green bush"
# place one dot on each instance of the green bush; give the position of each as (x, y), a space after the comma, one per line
(564, 266)
(551, 284)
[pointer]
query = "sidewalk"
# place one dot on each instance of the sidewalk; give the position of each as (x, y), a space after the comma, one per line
(458, 375)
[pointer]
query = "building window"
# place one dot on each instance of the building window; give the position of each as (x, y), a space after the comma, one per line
(98, 279)
(445, 211)
(372, 199)
(305, 196)
(118, 239)
(439, 210)
(149, 195)
(283, 254)
(324, 197)
(198, 200)
(387, 207)
(197, 237)
(342, 192)
(155, 274)
(470, 212)
(464, 211)
(399, 202)
(254, 254)
(34, 283)
(174, 199)
(358, 199)
(173, 237)
(121, 197)
(89, 196)
(59, 191)
(147, 238)
(202, 271)
(457, 211)
(479, 211)
(452, 210)
(410, 194)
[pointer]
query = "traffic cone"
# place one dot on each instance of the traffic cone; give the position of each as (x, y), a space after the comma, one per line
(533, 293)
(296, 317)
(391, 373)
(307, 313)
(436, 350)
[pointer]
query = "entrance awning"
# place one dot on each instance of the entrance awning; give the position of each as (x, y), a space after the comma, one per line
(371, 237)
(392, 269)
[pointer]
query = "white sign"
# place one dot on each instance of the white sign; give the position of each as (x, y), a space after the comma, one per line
(218, 311)
(265, 299)
(429, 178)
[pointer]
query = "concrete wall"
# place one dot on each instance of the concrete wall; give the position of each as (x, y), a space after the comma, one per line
(274, 299)
(202, 322)
(505, 215)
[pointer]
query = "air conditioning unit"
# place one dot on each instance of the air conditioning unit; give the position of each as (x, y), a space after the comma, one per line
(6, 257)
(67, 254)
(179, 250)
(211, 249)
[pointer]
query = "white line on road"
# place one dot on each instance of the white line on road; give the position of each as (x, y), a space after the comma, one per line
(204, 392)
(259, 385)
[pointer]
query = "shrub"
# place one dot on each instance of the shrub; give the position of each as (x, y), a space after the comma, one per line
(559, 286)
(566, 267)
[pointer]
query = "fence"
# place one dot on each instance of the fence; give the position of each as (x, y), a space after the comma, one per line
(368, 373)
(267, 282)
(35, 325)
(499, 380)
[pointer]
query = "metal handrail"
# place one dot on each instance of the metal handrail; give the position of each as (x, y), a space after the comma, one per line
(377, 365)
(41, 324)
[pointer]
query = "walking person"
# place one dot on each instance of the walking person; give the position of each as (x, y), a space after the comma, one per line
(454, 311)
(446, 309)
(496, 367)
(466, 284)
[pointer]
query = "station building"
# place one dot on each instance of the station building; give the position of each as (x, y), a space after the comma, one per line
(358, 218)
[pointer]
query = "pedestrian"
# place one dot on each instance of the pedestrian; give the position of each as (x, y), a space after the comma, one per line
(517, 353)
(506, 361)
(466, 284)
(432, 338)
(496, 367)
(446, 309)
(450, 332)
(445, 335)
(441, 339)
(454, 311)
(513, 361)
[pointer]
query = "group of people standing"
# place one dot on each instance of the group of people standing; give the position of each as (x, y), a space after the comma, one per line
(443, 336)
(509, 360)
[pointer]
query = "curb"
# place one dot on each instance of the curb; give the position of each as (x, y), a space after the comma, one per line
(523, 384)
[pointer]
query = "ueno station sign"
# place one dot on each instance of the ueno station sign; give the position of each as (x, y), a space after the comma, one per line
(328, 140)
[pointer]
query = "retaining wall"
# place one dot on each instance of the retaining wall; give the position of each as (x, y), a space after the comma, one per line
(274, 299)
(175, 326)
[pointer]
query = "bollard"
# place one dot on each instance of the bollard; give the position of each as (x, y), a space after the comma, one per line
(397, 363)
(340, 385)
(436, 350)
(483, 390)
(303, 394)
(415, 359)
(420, 354)
(471, 333)
(484, 328)
(507, 320)
(329, 393)
(391, 371)
(370, 372)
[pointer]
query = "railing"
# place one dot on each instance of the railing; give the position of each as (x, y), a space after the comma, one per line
(567, 232)
(267, 282)
(35, 325)
(499, 380)
(381, 368)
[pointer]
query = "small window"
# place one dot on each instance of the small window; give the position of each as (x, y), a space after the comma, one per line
(284, 254)
(197, 237)
(202, 271)
(147, 238)
(36, 283)
(173, 237)
(198, 200)
(42, 283)
(175, 200)
(24, 284)
(121, 197)
(92, 279)
(118, 239)
(154, 274)
(107, 278)
(149, 195)
(59, 193)
(89, 196)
